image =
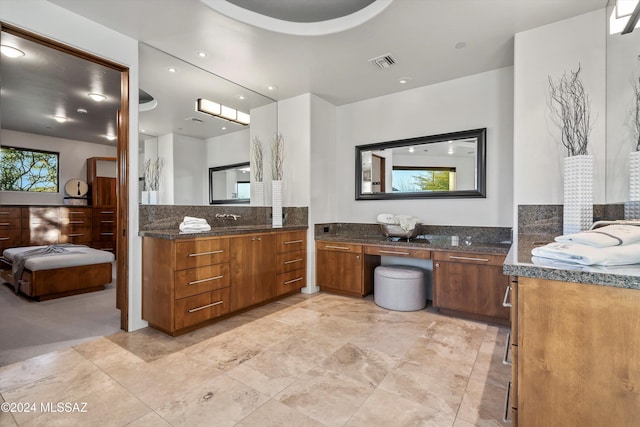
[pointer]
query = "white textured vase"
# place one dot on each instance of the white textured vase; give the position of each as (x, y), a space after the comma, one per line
(153, 197)
(276, 205)
(632, 207)
(578, 193)
(257, 198)
(144, 198)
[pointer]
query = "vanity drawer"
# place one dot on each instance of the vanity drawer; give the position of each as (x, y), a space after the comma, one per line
(397, 251)
(338, 247)
(469, 258)
(291, 261)
(291, 241)
(201, 252)
(199, 308)
(291, 281)
(202, 279)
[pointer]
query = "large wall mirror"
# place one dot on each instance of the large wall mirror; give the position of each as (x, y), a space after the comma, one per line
(190, 141)
(229, 184)
(435, 166)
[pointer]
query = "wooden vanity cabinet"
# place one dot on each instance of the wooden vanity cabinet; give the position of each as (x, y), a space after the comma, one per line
(471, 285)
(291, 262)
(253, 269)
(342, 268)
(576, 361)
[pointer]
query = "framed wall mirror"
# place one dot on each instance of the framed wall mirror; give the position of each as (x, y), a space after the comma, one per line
(449, 165)
(230, 184)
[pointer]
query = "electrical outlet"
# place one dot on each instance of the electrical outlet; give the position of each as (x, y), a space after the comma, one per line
(325, 229)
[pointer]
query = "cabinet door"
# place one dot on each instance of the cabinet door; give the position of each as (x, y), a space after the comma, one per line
(253, 270)
(339, 271)
(470, 288)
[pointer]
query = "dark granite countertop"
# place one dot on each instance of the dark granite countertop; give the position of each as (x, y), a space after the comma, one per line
(519, 262)
(173, 234)
(434, 243)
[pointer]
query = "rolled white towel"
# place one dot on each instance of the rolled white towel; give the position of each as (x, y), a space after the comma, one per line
(589, 255)
(386, 218)
(610, 235)
(407, 222)
(193, 220)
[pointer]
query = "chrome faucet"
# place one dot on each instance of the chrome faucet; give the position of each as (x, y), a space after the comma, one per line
(226, 216)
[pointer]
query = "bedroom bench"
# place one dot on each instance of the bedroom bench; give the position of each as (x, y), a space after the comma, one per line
(81, 270)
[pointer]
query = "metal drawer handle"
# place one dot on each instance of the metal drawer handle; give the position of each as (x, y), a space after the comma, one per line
(106, 212)
(505, 358)
(205, 280)
(207, 253)
(294, 260)
(394, 252)
(193, 310)
(76, 213)
(106, 234)
(505, 418)
(76, 235)
(338, 247)
(76, 222)
(468, 258)
(505, 301)
(107, 222)
(288, 282)
(253, 239)
(291, 242)
(5, 223)
(4, 238)
(5, 213)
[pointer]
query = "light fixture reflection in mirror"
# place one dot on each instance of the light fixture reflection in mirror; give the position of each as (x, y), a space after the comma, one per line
(436, 166)
(229, 184)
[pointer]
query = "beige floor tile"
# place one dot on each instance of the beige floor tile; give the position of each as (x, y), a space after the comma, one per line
(275, 414)
(6, 418)
(387, 409)
(70, 385)
(224, 352)
(325, 396)
(111, 406)
(428, 385)
(483, 405)
(462, 423)
(298, 316)
(453, 356)
(490, 369)
(494, 340)
(390, 338)
(150, 420)
(221, 401)
(367, 366)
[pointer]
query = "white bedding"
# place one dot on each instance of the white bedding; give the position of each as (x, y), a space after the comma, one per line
(84, 256)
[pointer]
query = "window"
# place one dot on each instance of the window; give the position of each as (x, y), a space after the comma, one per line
(415, 179)
(23, 169)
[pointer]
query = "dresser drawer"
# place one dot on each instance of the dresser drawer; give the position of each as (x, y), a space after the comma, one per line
(398, 251)
(75, 234)
(469, 257)
(6, 212)
(104, 213)
(10, 238)
(291, 261)
(201, 252)
(103, 230)
(201, 279)
(338, 247)
(290, 281)
(10, 222)
(195, 309)
(291, 241)
(105, 246)
(75, 214)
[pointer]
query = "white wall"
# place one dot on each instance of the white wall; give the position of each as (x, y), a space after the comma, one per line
(552, 50)
(72, 163)
(477, 101)
(165, 154)
(190, 182)
(59, 24)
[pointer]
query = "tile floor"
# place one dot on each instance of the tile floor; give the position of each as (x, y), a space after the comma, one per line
(319, 360)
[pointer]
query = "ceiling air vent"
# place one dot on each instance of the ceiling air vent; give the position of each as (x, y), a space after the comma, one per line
(384, 61)
(194, 119)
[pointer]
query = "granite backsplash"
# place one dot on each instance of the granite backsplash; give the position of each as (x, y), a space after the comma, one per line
(547, 219)
(166, 217)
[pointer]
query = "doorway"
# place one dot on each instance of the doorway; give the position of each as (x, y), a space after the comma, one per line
(119, 130)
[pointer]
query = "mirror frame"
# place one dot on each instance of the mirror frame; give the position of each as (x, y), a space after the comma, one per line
(223, 168)
(481, 166)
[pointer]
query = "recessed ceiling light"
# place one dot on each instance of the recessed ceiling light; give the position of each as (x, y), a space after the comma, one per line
(60, 119)
(143, 130)
(110, 137)
(10, 51)
(404, 80)
(223, 128)
(172, 69)
(461, 45)
(202, 53)
(242, 97)
(81, 111)
(98, 97)
(272, 87)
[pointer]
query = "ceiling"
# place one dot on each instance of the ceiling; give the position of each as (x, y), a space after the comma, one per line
(431, 41)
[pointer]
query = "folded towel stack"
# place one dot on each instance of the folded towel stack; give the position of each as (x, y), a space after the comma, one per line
(611, 245)
(194, 225)
(406, 222)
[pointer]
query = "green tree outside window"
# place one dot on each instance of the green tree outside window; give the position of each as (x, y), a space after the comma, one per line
(28, 170)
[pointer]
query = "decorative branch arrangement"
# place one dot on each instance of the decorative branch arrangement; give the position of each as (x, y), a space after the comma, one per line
(636, 114)
(152, 169)
(277, 157)
(258, 158)
(571, 112)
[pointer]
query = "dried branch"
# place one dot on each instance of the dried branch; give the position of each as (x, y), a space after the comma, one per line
(277, 157)
(152, 169)
(258, 160)
(636, 114)
(571, 112)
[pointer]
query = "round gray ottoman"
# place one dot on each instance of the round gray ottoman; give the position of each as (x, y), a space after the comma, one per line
(399, 287)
